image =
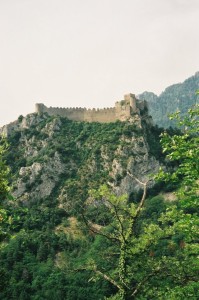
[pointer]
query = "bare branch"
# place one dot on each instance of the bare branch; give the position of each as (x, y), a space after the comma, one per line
(136, 179)
(142, 200)
(98, 272)
(120, 223)
(144, 184)
(106, 277)
(92, 229)
(140, 284)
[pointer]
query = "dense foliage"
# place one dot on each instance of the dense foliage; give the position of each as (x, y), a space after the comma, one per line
(4, 189)
(156, 258)
(83, 242)
(4, 171)
(49, 241)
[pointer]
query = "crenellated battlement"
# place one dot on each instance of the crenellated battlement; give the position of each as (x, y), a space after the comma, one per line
(122, 111)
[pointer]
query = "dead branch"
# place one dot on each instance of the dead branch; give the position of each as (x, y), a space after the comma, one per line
(98, 272)
(144, 184)
(92, 229)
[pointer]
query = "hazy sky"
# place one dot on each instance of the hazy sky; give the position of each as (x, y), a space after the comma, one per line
(89, 53)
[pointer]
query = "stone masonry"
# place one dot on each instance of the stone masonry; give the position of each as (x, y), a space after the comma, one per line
(122, 111)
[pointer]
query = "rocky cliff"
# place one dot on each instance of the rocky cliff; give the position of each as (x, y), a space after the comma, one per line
(51, 156)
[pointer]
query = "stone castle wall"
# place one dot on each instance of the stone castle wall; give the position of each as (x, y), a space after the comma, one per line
(122, 111)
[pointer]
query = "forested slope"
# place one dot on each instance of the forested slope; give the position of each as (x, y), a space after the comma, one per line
(72, 237)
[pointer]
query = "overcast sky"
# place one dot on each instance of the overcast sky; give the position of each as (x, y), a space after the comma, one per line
(89, 53)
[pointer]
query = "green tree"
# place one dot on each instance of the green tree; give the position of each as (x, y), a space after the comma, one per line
(148, 262)
(159, 259)
(184, 150)
(4, 188)
(4, 171)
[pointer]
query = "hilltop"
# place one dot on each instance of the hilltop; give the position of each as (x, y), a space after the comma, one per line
(58, 225)
(55, 162)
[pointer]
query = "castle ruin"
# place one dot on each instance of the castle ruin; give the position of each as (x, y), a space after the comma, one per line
(122, 111)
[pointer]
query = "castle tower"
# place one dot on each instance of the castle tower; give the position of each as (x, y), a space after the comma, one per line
(39, 108)
(130, 98)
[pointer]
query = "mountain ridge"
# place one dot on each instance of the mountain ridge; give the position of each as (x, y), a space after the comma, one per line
(176, 97)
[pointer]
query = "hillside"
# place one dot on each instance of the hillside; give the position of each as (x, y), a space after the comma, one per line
(76, 224)
(180, 96)
(54, 163)
(45, 149)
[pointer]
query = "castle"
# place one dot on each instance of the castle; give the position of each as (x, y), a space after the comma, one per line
(122, 111)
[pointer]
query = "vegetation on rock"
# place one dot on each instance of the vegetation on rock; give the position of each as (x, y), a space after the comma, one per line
(75, 238)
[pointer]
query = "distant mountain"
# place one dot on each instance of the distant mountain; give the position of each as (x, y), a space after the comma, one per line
(180, 96)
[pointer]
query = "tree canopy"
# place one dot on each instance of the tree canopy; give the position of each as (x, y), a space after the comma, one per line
(154, 258)
(111, 247)
(4, 188)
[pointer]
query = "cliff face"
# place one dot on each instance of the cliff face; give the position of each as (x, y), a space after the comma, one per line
(54, 157)
(177, 97)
